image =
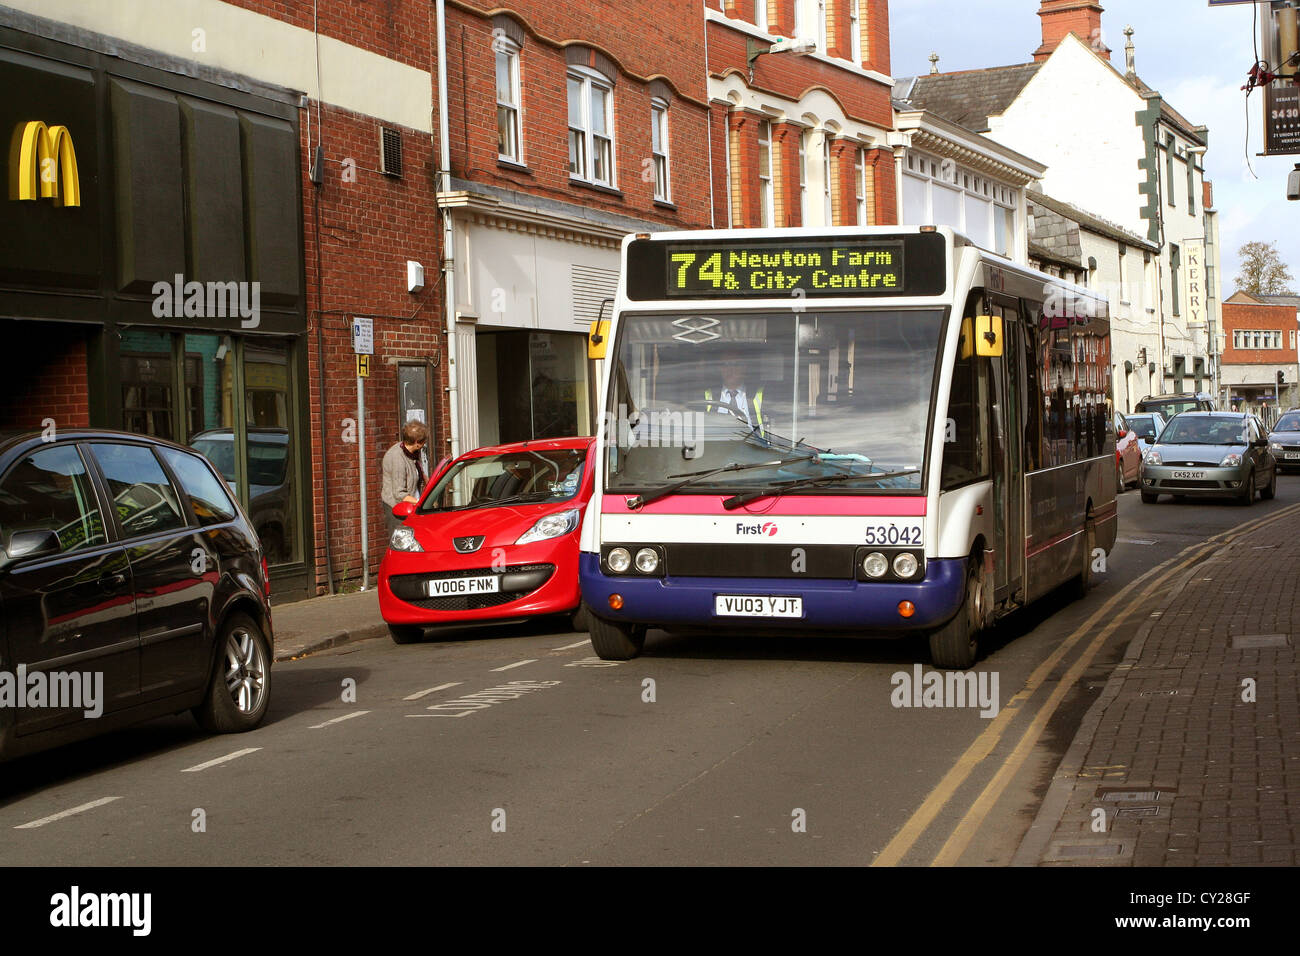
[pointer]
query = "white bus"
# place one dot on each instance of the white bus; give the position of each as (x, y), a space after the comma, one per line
(875, 431)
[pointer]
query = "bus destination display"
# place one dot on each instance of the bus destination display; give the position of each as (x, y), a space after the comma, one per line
(764, 269)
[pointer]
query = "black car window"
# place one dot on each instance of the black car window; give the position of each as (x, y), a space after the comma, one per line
(207, 494)
(145, 500)
(50, 489)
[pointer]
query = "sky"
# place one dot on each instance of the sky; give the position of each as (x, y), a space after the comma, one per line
(1196, 56)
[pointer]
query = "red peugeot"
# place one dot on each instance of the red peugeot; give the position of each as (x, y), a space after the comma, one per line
(494, 537)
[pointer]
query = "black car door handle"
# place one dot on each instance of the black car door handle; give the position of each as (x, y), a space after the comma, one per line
(112, 580)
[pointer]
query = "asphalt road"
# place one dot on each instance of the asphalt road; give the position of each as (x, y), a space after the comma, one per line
(752, 751)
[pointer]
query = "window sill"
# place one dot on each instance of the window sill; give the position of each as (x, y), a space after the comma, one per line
(514, 167)
(666, 204)
(596, 187)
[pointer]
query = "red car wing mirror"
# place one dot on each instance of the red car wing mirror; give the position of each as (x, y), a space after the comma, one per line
(404, 509)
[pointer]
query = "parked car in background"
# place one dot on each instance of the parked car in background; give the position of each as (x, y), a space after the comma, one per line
(268, 480)
(1210, 454)
(1170, 405)
(1146, 425)
(125, 560)
(1284, 441)
(494, 538)
(1128, 457)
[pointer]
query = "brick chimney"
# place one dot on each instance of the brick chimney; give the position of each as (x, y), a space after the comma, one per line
(1063, 17)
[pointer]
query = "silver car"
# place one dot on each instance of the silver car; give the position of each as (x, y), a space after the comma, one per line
(1210, 454)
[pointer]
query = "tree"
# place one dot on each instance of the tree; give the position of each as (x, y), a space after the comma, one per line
(1262, 270)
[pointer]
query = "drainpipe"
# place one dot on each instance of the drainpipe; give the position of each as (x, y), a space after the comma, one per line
(448, 234)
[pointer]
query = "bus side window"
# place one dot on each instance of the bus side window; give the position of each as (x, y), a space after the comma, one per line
(966, 440)
(1033, 404)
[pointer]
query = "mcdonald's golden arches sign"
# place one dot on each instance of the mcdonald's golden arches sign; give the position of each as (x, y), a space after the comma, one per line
(43, 164)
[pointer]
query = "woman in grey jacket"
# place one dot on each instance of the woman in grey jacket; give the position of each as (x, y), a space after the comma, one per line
(404, 475)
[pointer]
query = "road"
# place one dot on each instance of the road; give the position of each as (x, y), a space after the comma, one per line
(721, 749)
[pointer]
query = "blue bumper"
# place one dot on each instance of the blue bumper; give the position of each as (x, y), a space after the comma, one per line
(830, 605)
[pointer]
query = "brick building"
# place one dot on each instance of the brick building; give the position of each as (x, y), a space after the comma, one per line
(568, 128)
(800, 138)
(1259, 370)
(192, 273)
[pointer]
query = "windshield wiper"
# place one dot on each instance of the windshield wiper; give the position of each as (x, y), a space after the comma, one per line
(642, 500)
(736, 501)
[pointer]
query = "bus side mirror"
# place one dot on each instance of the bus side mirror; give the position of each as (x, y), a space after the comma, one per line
(988, 336)
(965, 347)
(598, 339)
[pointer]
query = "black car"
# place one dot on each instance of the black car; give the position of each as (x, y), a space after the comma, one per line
(132, 586)
(1170, 405)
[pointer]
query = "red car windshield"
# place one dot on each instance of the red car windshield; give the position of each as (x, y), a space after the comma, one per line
(523, 477)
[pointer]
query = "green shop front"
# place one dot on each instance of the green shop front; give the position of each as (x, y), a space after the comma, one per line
(151, 269)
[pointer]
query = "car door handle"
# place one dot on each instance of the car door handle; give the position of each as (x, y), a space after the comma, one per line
(112, 580)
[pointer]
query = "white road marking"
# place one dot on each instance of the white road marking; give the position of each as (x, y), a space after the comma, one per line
(335, 720)
(213, 763)
(515, 664)
(432, 690)
(569, 647)
(66, 813)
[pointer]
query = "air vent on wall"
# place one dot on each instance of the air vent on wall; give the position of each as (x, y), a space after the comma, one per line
(390, 152)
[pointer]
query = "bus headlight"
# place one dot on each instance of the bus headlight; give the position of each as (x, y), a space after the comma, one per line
(647, 560)
(905, 564)
(875, 565)
(619, 560)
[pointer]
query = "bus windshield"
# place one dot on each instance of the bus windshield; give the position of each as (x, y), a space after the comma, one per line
(816, 393)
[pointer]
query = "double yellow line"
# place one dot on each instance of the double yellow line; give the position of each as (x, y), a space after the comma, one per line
(925, 815)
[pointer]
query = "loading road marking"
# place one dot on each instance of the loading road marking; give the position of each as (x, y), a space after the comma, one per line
(924, 816)
(355, 713)
(213, 763)
(515, 664)
(432, 690)
(472, 703)
(66, 813)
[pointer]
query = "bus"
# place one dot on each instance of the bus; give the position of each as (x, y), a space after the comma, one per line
(880, 431)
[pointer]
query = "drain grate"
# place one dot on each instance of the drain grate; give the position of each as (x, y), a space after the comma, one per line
(1137, 812)
(1250, 641)
(1088, 851)
(1129, 796)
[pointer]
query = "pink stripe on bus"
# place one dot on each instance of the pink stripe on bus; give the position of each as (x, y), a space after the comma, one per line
(833, 505)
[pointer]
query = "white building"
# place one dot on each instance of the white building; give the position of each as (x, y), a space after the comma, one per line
(1114, 148)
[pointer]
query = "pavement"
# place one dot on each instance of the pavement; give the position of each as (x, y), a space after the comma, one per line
(1189, 757)
(305, 627)
(1191, 754)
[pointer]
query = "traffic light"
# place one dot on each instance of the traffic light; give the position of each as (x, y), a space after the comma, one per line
(1281, 379)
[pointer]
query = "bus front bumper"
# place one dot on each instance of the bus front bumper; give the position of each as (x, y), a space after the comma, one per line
(827, 604)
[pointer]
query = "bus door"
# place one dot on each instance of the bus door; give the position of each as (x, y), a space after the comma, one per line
(1006, 429)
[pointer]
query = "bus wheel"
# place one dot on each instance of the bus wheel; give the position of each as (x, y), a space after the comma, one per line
(956, 643)
(614, 642)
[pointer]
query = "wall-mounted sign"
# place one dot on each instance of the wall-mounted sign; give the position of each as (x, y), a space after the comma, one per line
(43, 164)
(1194, 281)
(1281, 118)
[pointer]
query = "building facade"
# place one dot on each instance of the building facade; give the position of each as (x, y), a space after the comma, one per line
(800, 113)
(1260, 358)
(233, 212)
(567, 128)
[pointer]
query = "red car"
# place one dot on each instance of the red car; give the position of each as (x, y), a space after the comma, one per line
(1128, 455)
(495, 536)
